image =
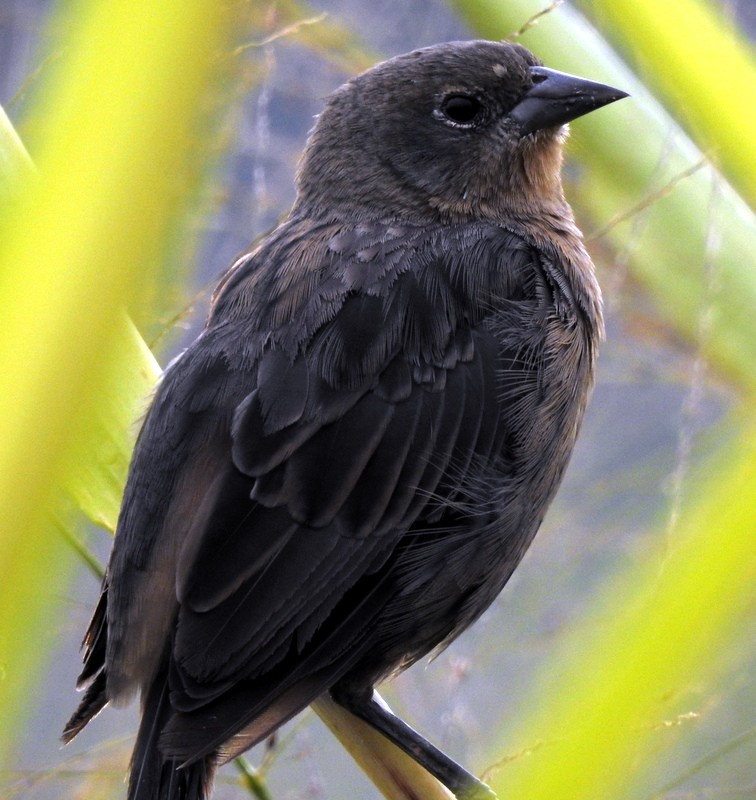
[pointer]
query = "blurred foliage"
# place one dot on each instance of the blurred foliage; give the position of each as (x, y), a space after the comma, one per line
(617, 677)
(75, 246)
(15, 163)
(118, 206)
(297, 22)
(702, 68)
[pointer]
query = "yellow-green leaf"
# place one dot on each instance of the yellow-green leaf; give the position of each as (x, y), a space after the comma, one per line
(114, 123)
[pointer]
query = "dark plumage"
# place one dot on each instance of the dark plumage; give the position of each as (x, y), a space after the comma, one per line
(344, 469)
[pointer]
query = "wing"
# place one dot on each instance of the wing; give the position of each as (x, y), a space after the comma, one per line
(347, 380)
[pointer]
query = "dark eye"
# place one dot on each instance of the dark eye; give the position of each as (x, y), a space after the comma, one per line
(462, 109)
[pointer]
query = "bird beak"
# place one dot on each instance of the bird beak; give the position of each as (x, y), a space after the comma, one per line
(556, 98)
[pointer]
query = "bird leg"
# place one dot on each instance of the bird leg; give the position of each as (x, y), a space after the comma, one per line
(371, 709)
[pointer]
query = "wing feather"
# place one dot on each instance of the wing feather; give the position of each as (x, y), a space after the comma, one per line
(345, 399)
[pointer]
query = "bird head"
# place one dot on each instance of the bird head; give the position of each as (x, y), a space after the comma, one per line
(461, 130)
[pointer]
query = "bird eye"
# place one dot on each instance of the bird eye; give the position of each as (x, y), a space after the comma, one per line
(462, 109)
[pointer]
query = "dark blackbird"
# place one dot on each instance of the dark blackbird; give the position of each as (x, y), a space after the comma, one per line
(341, 473)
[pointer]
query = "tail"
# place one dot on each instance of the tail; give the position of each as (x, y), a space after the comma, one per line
(154, 777)
(93, 677)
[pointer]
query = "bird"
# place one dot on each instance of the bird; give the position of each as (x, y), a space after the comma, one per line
(341, 473)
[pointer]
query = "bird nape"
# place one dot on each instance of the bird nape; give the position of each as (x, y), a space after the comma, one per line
(342, 472)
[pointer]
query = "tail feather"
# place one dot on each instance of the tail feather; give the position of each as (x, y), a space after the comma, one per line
(93, 677)
(92, 703)
(155, 777)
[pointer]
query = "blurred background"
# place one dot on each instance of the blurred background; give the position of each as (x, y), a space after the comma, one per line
(670, 394)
